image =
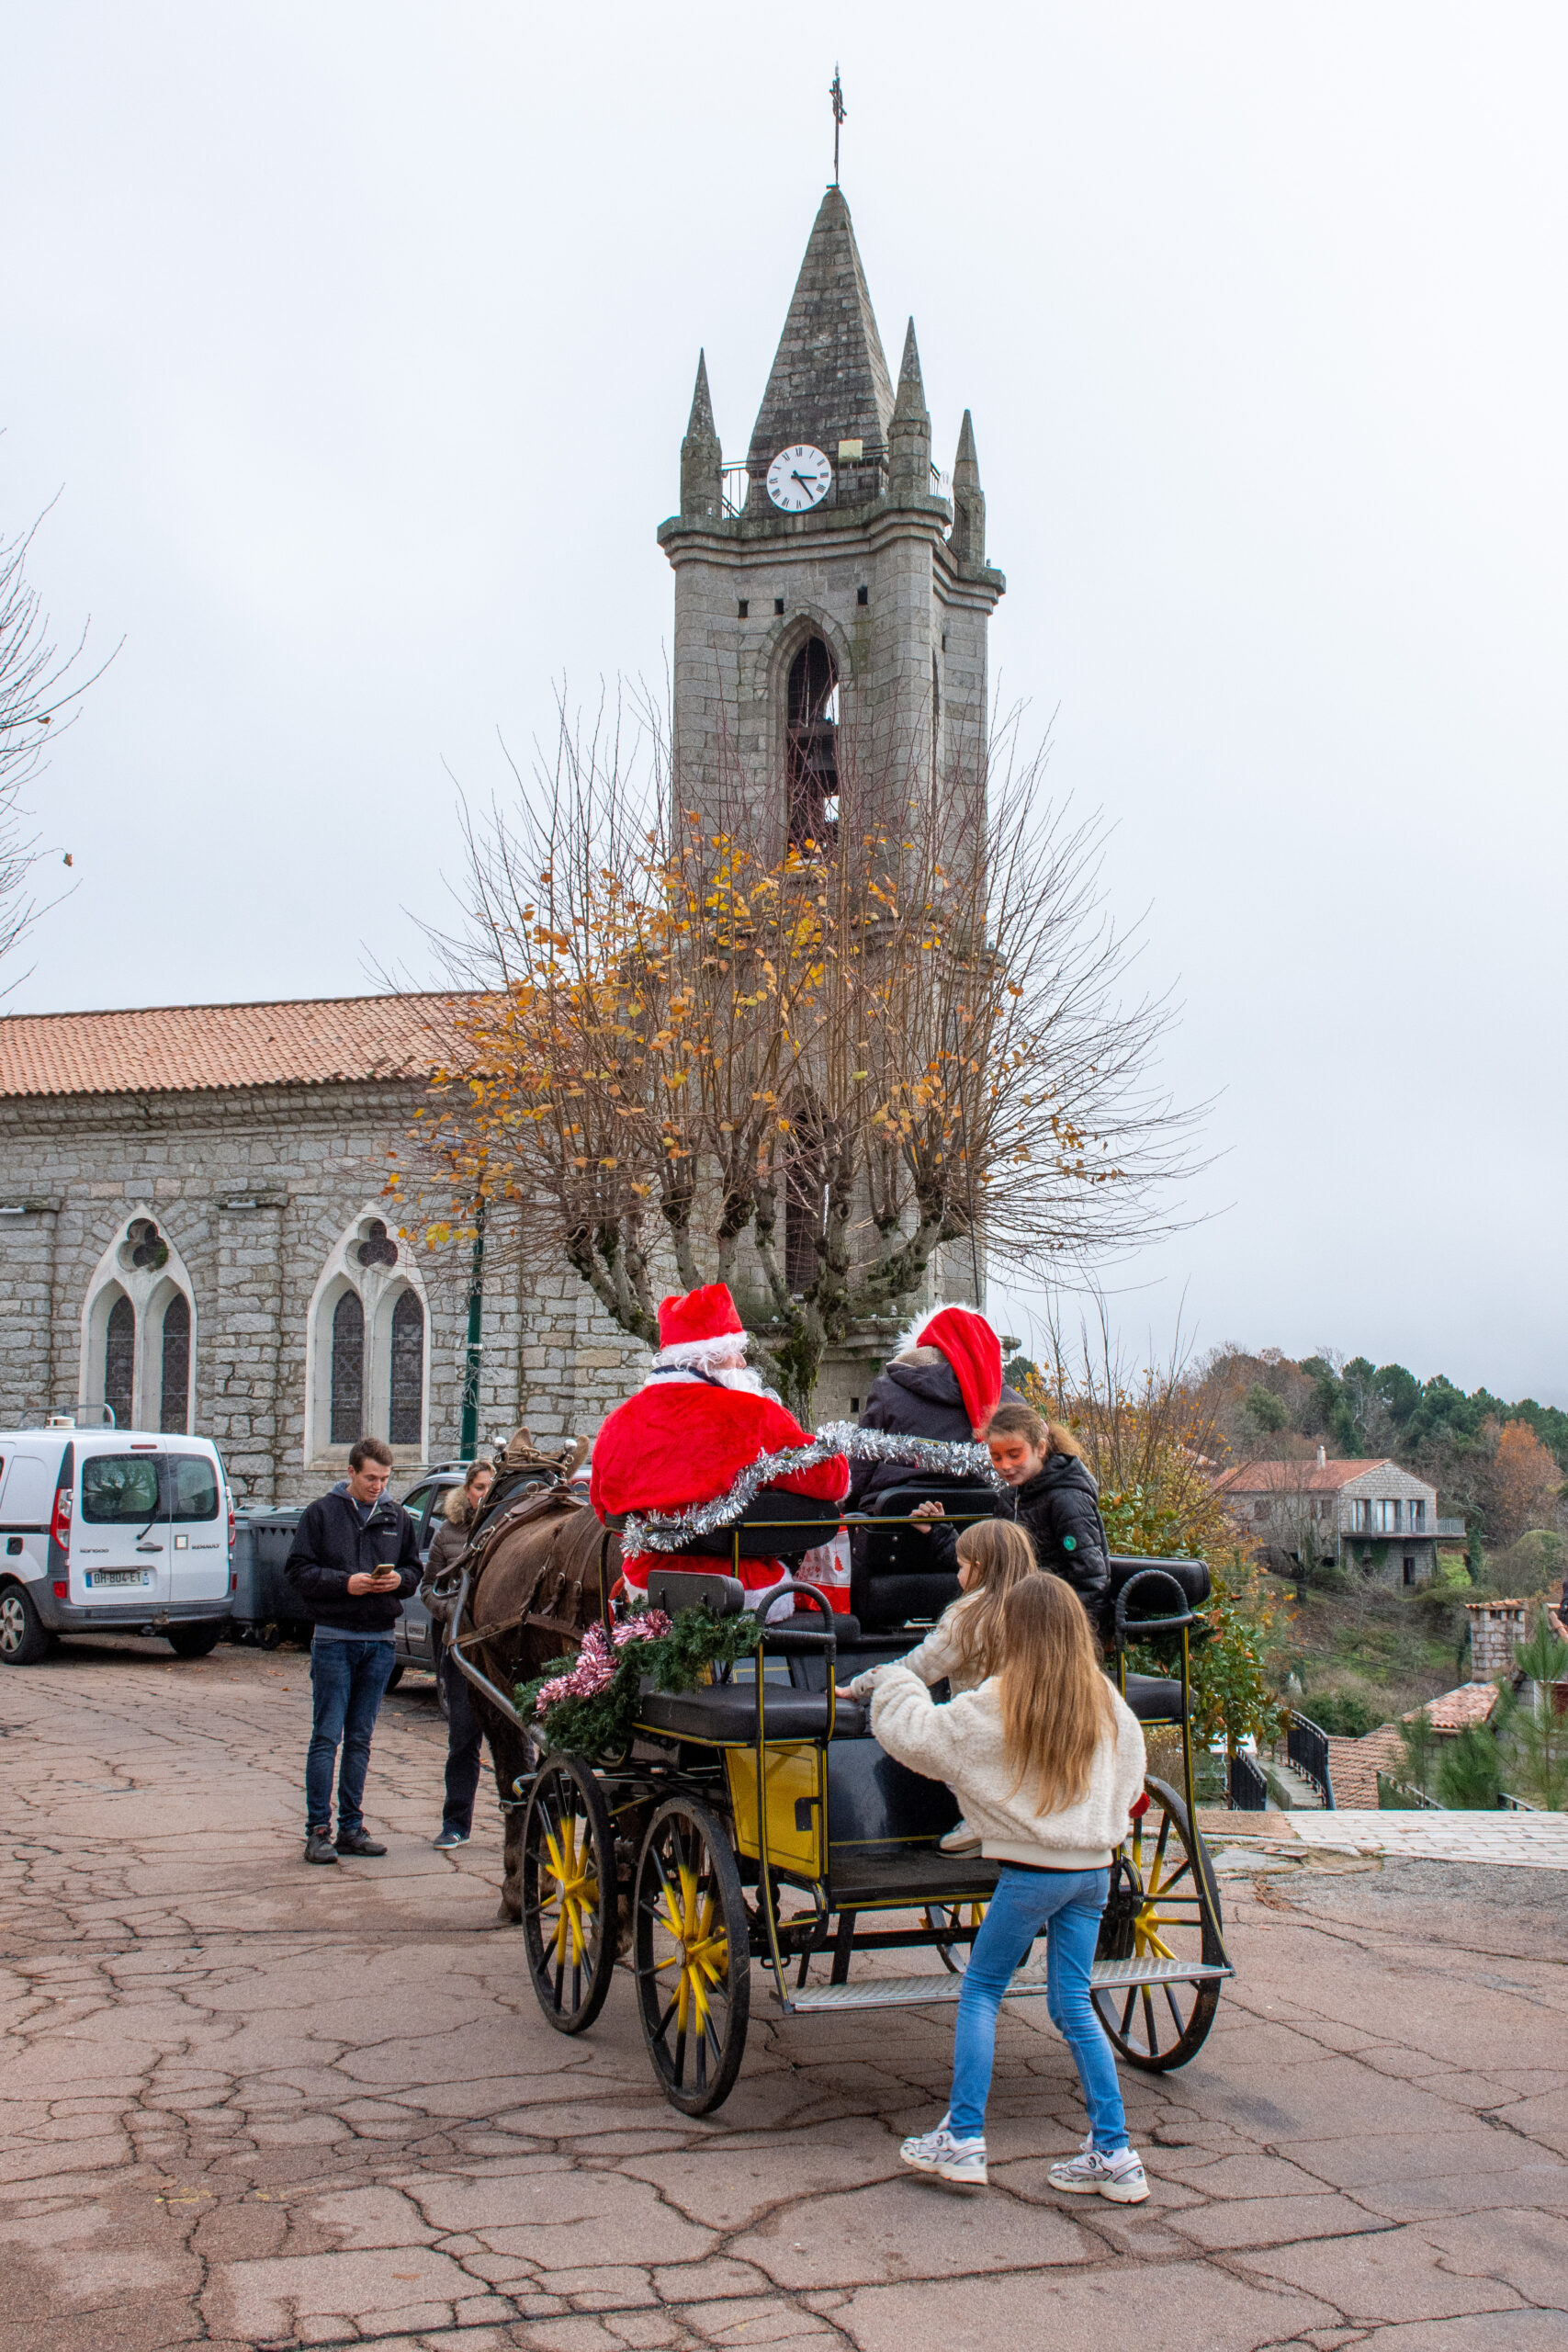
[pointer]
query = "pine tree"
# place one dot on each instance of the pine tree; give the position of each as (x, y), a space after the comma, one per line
(1468, 1778)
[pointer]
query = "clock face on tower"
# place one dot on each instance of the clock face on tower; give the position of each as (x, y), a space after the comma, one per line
(799, 478)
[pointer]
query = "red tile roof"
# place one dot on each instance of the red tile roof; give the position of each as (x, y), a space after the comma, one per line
(1297, 1477)
(1455, 1711)
(1354, 1766)
(180, 1047)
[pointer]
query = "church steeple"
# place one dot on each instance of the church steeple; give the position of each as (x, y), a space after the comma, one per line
(829, 381)
(909, 434)
(702, 460)
(967, 538)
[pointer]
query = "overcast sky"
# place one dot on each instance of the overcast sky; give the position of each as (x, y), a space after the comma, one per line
(359, 341)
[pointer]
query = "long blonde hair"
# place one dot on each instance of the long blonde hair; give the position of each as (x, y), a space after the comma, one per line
(1056, 1702)
(1000, 1552)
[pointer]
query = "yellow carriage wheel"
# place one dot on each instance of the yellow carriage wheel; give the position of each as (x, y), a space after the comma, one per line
(693, 1956)
(569, 1893)
(1165, 1905)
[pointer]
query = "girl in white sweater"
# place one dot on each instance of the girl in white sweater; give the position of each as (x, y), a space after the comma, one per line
(1046, 1760)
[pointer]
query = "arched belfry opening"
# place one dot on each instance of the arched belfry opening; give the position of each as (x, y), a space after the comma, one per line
(812, 747)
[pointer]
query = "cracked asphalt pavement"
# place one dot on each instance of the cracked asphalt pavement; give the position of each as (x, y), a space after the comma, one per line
(248, 2103)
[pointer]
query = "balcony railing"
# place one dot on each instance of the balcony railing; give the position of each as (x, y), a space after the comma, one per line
(854, 483)
(1452, 1527)
(1306, 1745)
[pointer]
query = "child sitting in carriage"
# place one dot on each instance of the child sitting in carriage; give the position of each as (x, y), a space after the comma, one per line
(965, 1645)
(1046, 1760)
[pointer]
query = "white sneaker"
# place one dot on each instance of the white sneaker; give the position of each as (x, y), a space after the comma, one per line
(1089, 2174)
(938, 2151)
(961, 1840)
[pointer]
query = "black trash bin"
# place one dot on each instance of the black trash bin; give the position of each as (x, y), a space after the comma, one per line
(265, 1607)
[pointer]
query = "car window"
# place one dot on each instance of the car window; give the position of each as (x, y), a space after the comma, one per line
(414, 1504)
(120, 1489)
(192, 1485)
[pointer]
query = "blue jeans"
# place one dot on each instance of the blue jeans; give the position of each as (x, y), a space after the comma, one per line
(348, 1680)
(1068, 1904)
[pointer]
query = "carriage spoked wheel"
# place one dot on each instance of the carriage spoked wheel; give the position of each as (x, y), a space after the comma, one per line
(693, 1956)
(1157, 1911)
(944, 1921)
(569, 1893)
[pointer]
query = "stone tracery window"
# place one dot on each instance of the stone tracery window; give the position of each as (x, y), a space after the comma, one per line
(175, 1368)
(120, 1360)
(348, 1370)
(406, 1410)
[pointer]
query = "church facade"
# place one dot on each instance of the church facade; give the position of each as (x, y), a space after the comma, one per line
(194, 1226)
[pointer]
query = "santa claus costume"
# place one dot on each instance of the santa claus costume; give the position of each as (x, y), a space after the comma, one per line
(700, 1421)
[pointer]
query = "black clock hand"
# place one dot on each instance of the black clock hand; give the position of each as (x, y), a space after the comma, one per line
(802, 480)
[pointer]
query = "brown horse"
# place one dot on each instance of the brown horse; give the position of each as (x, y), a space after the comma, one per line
(541, 1572)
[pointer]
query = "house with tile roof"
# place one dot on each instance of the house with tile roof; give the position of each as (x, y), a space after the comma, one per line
(195, 1233)
(1369, 1515)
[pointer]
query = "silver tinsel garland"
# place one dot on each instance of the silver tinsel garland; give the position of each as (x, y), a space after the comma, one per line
(672, 1531)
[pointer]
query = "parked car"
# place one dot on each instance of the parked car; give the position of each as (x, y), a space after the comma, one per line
(105, 1529)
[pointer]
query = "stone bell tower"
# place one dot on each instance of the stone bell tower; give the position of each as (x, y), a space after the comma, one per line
(831, 597)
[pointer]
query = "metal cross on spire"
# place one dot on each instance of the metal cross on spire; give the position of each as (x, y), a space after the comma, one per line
(836, 92)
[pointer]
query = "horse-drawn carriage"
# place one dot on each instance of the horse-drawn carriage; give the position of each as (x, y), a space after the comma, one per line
(754, 1820)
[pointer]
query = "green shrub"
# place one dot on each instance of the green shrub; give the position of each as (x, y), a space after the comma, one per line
(1341, 1712)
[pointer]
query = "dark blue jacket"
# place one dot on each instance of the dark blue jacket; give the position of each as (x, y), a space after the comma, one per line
(330, 1545)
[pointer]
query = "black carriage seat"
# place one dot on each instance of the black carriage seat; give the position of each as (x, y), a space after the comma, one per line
(1154, 1697)
(1149, 1600)
(891, 1578)
(726, 1713)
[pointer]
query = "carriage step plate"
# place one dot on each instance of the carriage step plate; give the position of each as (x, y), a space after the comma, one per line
(918, 1992)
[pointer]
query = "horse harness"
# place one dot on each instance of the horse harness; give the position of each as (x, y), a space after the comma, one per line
(556, 1584)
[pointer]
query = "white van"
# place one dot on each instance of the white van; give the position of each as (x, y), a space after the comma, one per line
(104, 1528)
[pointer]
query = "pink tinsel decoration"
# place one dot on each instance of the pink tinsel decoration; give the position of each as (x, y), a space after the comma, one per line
(595, 1662)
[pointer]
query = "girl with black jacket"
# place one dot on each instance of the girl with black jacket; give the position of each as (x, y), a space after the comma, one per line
(1050, 1489)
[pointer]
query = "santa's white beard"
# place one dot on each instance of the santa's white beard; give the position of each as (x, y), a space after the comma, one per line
(730, 1376)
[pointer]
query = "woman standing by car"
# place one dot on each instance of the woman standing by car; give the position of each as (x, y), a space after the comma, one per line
(465, 1740)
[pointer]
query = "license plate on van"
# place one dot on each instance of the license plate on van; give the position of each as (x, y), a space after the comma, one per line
(116, 1575)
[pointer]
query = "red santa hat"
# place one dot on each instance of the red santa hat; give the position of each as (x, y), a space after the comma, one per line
(974, 1350)
(699, 1326)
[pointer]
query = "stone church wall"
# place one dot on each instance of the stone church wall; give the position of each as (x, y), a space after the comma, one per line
(254, 1193)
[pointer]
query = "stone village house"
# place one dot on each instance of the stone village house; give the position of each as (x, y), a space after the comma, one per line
(1373, 1515)
(194, 1232)
(194, 1229)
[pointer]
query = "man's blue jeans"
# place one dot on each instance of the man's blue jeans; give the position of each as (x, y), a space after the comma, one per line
(348, 1680)
(1068, 1904)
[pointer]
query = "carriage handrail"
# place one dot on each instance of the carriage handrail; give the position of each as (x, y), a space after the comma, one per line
(1142, 1625)
(469, 1672)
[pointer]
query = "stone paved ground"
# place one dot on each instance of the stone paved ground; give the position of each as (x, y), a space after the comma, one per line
(252, 2104)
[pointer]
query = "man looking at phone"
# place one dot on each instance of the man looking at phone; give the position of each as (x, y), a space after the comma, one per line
(355, 1556)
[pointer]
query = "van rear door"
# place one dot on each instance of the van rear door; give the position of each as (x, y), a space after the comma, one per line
(119, 1549)
(197, 1528)
(27, 1507)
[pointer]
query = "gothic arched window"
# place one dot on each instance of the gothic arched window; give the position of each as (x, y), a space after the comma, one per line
(405, 1412)
(812, 747)
(119, 1360)
(348, 1370)
(174, 1376)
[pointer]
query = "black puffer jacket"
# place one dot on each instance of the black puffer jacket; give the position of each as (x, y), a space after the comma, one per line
(1061, 1510)
(915, 1400)
(330, 1545)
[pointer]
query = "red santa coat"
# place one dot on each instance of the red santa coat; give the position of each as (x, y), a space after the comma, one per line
(681, 1442)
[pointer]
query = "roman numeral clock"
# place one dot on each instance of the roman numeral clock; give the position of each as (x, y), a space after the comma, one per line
(799, 479)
